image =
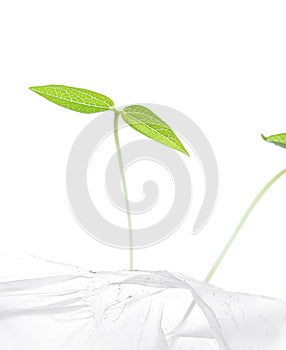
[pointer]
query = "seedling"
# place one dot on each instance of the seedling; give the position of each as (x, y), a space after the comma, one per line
(138, 117)
(278, 140)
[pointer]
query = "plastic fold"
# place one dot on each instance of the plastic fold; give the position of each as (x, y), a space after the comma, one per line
(51, 306)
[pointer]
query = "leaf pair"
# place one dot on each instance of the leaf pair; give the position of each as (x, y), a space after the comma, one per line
(139, 118)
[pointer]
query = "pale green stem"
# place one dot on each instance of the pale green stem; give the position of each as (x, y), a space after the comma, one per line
(235, 234)
(124, 187)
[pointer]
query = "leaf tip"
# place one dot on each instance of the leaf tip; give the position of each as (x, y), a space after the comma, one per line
(33, 88)
(263, 137)
(186, 152)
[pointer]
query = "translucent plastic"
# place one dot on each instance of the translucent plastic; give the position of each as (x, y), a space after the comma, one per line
(50, 306)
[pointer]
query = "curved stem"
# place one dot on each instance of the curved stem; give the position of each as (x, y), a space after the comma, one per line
(124, 186)
(235, 234)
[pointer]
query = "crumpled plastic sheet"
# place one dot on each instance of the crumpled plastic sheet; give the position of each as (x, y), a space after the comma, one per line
(51, 306)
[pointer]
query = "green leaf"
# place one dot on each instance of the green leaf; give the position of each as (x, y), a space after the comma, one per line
(76, 99)
(278, 140)
(149, 124)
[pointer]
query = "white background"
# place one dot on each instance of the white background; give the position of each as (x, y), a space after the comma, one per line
(220, 62)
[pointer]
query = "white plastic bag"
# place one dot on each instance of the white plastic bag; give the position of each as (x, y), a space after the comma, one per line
(50, 306)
